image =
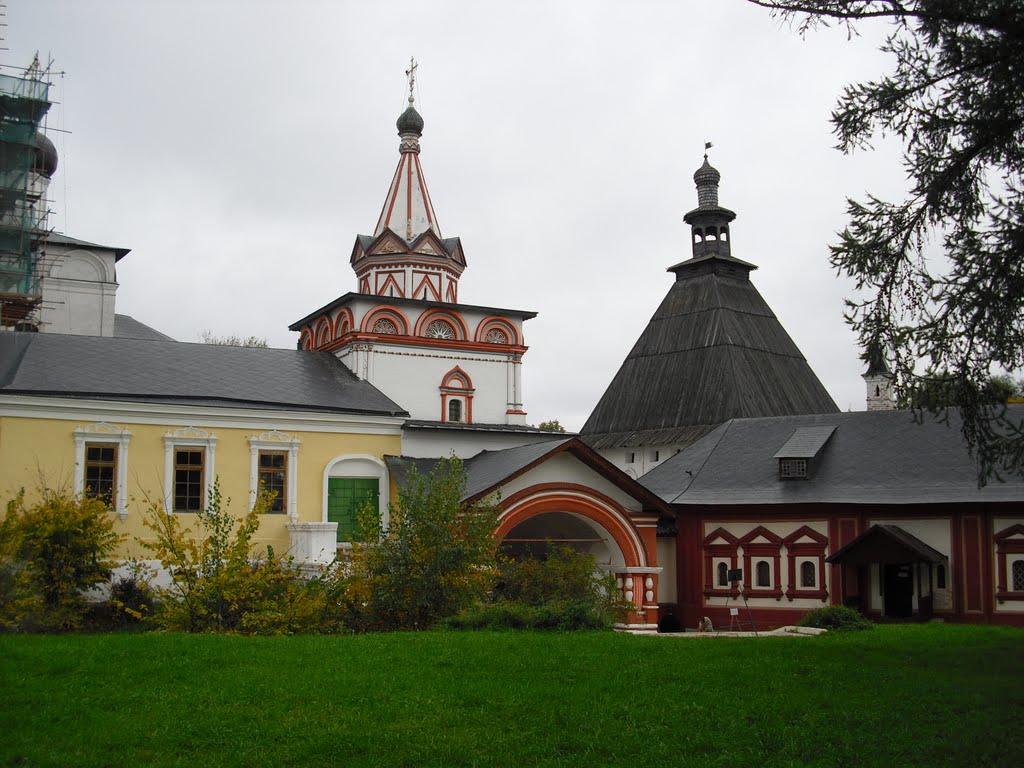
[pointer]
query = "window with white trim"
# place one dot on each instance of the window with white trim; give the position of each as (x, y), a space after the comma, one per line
(189, 468)
(764, 573)
(273, 462)
(101, 473)
(101, 464)
(1018, 575)
(189, 477)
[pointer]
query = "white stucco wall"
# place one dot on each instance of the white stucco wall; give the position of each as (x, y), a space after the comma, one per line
(412, 376)
(638, 461)
(78, 291)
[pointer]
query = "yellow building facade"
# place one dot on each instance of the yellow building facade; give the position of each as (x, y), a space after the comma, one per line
(150, 448)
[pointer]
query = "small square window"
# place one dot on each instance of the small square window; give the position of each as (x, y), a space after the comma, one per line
(792, 469)
(630, 458)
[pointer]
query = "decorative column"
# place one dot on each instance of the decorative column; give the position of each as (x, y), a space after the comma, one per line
(639, 586)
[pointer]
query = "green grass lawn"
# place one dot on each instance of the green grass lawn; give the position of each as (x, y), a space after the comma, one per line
(928, 695)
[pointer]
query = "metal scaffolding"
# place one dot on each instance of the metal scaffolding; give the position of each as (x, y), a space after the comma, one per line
(24, 102)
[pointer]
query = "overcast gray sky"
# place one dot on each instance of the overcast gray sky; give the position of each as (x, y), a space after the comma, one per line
(239, 146)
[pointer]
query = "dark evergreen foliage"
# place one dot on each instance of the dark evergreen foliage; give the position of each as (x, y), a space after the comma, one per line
(955, 99)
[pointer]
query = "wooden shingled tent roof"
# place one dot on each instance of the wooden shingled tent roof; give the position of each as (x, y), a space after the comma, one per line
(713, 351)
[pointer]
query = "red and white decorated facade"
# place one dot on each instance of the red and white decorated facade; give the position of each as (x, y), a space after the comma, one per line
(405, 331)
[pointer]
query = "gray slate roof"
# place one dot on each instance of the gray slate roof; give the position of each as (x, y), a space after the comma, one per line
(483, 471)
(180, 373)
(481, 427)
(414, 303)
(489, 469)
(640, 437)
(58, 239)
(127, 327)
(713, 351)
(881, 457)
(805, 442)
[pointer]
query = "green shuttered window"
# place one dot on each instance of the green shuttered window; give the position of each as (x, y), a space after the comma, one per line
(345, 495)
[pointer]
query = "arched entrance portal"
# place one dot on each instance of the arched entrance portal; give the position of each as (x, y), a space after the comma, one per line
(589, 521)
(536, 535)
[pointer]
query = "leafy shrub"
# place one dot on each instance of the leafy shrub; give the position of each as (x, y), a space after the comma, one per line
(128, 606)
(562, 574)
(436, 558)
(836, 618)
(53, 552)
(563, 591)
(218, 584)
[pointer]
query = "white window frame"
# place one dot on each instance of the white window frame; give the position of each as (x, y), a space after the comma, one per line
(103, 432)
(189, 437)
(280, 442)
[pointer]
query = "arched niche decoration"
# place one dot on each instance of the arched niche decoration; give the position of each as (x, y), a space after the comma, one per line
(324, 332)
(454, 319)
(343, 322)
(489, 324)
(82, 265)
(386, 312)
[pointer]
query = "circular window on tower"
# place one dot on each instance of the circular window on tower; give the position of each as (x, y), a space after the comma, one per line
(496, 336)
(385, 326)
(439, 329)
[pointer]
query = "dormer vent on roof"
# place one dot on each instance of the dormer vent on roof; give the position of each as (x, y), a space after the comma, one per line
(801, 452)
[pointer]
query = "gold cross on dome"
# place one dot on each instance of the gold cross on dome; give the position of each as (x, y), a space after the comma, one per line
(411, 74)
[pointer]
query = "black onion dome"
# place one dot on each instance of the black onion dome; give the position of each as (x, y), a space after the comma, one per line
(706, 174)
(410, 121)
(45, 160)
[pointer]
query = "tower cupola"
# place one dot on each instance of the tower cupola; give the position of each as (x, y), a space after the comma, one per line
(709, 221)
(706, 178)
(406, 256)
